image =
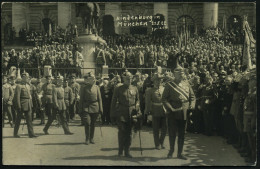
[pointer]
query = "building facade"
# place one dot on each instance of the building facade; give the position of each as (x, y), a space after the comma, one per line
(33, 16)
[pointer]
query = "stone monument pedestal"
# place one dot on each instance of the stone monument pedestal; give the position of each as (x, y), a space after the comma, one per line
(88, 43)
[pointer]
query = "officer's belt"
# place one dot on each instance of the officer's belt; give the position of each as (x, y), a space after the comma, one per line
(157, 104)
(60, 98)
(127, 105)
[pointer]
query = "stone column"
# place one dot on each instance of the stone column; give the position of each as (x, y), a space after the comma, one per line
(115, 10)
(20, 15)
(64, 14)
(161, 8)
(210, 14)
(88, 43)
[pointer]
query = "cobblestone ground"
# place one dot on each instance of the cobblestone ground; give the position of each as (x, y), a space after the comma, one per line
(60, 149)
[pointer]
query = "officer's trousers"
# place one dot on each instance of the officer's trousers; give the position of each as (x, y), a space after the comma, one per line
(174, 126)
(63, 120)
(124, 136)
(89, 120)
(7, 110)
(208, 120)
(14, 113)
(28, 117)
(74, 109)
(159, 122)
(106, 111)
(48, 109)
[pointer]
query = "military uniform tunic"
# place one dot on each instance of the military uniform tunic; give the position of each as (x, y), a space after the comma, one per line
(8, 95)
(90, 105)
(68, 98)
(59, 107)
(127, 98)
(74, 108)
(24, 105)
(177, 98)
(153, 104)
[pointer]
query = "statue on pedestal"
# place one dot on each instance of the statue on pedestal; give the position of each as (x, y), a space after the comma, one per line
(89, 13)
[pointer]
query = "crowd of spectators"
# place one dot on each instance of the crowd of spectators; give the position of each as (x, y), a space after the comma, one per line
(225, 94)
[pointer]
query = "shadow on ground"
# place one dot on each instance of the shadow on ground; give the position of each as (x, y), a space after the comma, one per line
(131, 149)
(116, 158)
(60, 144)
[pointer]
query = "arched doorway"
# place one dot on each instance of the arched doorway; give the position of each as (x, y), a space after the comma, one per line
(108, 25)
(46, 24)
(185, 23)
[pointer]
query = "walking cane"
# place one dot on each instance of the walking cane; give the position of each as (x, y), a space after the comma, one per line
(140, 142)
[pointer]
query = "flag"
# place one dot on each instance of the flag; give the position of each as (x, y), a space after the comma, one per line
(176, 30)
(180, 39)
(50, 31)
(248, 41)
(224, 26)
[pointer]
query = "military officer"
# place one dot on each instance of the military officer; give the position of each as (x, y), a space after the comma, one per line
(153, 104)
(11, 81)
(24, 105)
(39, 92)
(128, 104)
(8, 95)
(47, 100)
(250, 116)
(106, 94)
(90, 106)
(34, 97)
(74, 108)
(208, 97)
(68, 98)
(177, 98)
(58, 107)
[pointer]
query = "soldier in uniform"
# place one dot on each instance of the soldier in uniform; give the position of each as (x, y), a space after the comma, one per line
(58, 107)
(151, 57)
(106, 95)
(250, 116)
(177, 98)
(208, 97)
(11, 81)
(154, 105)
(34, 97)
(39, 110)
(8, 95)
(24, 105)
(128, 104)
(68, 98)
(47, 100)
(74, 108)
(90, 106)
